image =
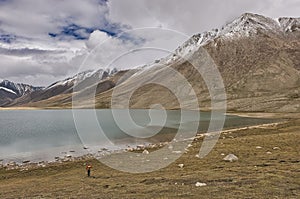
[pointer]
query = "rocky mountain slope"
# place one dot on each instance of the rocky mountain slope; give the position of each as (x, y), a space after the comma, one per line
(64, 87)
(10, 91)
(258, 59)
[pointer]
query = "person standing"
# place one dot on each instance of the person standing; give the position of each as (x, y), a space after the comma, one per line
(88, 169)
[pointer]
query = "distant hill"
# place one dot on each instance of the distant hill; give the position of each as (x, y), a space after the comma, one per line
(63, 87)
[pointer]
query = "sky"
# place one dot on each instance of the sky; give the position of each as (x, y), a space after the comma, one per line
(48, 40)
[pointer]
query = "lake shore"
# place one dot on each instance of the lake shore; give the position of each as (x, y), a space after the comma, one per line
(268, 166)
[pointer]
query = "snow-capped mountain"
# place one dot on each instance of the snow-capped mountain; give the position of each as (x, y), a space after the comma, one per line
(257, 56)
(247, 25)
(82, 80)
(17, 89)
(289, 24)
(97, 75)
(10, 91)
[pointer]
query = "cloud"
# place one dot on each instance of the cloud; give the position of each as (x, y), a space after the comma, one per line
(130, 49)
(43, 41)
(193, 16)
(97, 37)
(29, 18)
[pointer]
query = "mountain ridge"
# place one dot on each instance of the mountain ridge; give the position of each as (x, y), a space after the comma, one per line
(10, 91)
(257, 56)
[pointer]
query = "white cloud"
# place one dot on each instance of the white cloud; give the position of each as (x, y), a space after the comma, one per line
(33, 53)
(35, 19)
(35, 57)
(97, 37)
(131, 49)
(193, 16)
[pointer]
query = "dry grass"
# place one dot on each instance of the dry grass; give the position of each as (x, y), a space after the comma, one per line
(255, 175)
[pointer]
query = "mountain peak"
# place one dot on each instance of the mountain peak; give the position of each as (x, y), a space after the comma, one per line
(289, 24)
(11, 90)
(248, 24)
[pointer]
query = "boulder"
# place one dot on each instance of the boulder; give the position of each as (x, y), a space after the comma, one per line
(231, 158)
(181, 165)
(145, 152)
(200, 184)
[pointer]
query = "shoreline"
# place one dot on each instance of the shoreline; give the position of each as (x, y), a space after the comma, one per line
(30, 164)
(267, 166)
(262, 115)
(266, 115)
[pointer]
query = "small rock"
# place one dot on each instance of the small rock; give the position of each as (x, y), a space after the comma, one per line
(41, 165)
(222, 154)
(276, 148)
(12, 163)
(72, 151)
(259, 147)
(178, 152)
(200, 184)
(140, 146)
(181, 165)
(85, 148)
(145, 152)
(197, 156)
(106, 186)
(161, 144)
(269, 152)
(153, 146)
(130, 149)
(231, 158)
(26, 161)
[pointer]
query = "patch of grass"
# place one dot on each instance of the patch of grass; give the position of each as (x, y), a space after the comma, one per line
(257, 174)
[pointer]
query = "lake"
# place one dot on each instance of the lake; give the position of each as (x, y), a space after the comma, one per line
(44, 134)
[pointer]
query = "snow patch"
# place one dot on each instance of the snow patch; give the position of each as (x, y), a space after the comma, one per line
(8, 90)
(246, 25)
(101, 74)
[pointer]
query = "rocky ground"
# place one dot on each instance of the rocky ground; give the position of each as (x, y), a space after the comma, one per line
(268, 166)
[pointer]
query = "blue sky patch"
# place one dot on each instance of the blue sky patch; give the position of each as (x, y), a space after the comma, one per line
(7, 38)
(77, 32)
(73, 31)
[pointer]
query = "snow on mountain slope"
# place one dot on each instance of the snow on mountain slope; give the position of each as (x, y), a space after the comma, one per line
(99, 74)
(289, 24)
(8, 90)
(247, 25)
(17, 88)
(69, 80)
